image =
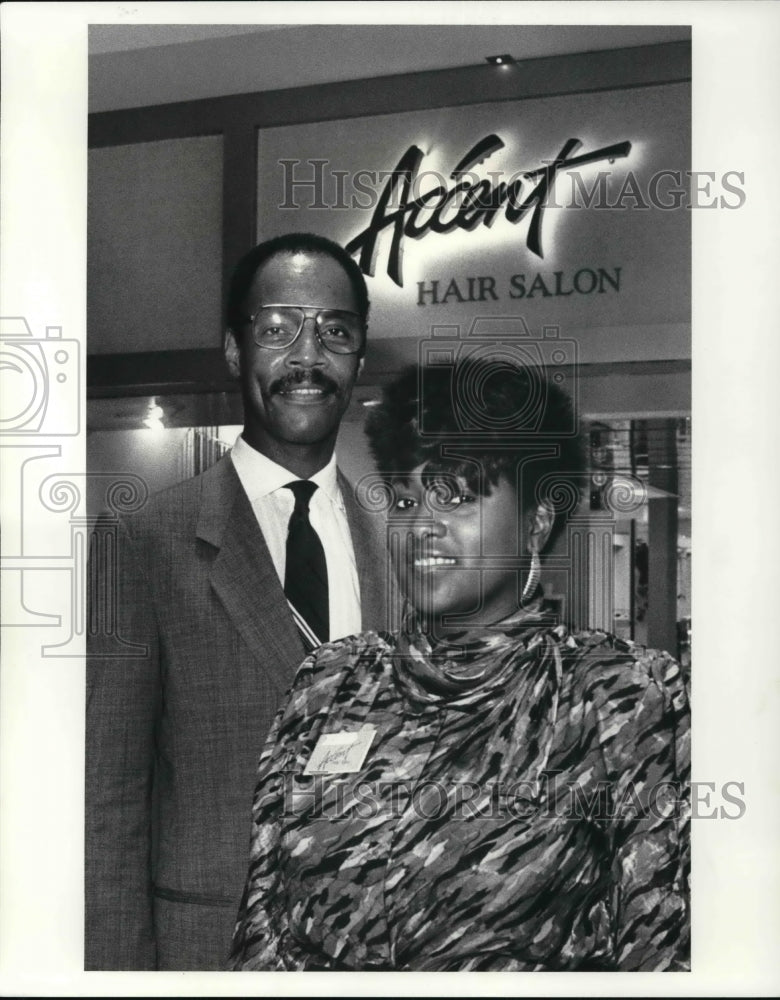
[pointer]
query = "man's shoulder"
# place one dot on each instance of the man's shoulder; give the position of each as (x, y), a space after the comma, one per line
(181, 503)
(363, 503)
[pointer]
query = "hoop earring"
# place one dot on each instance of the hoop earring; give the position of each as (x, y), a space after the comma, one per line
(533, 578)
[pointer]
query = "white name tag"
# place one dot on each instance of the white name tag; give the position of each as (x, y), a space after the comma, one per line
(340, 753)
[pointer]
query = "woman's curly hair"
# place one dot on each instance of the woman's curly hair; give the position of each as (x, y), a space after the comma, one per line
(482, 419)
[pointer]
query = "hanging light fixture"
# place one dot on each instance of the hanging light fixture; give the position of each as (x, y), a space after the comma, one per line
(505, 60)
(153, 419)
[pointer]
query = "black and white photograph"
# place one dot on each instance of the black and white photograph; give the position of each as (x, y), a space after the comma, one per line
(383, 389)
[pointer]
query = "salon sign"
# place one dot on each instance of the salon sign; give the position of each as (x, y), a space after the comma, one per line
(569, 210)
(468, 201)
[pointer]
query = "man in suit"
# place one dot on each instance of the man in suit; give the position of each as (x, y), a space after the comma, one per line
(218, 628)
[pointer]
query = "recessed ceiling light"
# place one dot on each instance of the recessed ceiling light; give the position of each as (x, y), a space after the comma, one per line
(501, 60)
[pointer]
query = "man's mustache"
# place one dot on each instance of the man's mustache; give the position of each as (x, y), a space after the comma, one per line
(314, 378)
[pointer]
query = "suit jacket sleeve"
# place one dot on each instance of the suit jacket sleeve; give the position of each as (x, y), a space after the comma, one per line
(123, 705)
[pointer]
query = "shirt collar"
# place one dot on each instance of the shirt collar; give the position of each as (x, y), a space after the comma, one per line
(260, 476)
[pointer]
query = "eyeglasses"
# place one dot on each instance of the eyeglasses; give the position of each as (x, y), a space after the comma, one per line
(277, 325)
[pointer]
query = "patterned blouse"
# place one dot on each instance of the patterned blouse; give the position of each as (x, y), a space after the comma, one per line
(521, 806)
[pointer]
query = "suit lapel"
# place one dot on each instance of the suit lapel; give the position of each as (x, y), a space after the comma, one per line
(243, 574)
(378, 591)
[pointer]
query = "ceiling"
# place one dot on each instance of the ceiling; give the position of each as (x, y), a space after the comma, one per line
(123, 37)
(143, 64)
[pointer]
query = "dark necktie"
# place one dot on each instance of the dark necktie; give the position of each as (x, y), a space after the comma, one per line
(306, 572)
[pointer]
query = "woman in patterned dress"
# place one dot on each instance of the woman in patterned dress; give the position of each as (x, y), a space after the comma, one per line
(486, 790)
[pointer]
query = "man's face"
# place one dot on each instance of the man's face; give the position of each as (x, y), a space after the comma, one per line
(295, 396)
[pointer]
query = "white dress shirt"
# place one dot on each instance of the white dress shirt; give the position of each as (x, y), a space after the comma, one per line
(264, 482)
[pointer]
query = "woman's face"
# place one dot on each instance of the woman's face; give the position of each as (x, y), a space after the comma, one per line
(459, 553)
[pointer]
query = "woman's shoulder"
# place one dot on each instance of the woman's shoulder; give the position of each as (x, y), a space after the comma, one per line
(637, 698)
(619, 670)
(332, 668)
(331, 662)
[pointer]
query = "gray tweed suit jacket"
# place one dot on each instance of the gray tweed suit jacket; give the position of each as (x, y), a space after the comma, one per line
(173, 736)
